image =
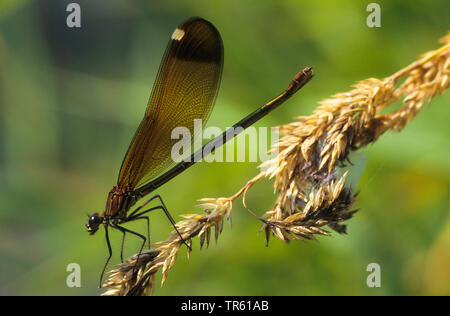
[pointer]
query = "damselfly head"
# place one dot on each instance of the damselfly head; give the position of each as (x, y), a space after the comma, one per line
(93, 222)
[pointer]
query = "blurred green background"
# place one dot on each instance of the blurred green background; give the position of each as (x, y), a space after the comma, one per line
(71, 99)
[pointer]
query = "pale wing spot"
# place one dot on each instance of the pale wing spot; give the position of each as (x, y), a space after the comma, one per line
(177, 34)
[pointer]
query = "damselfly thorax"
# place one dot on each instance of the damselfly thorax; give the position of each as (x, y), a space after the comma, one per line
(119, 201)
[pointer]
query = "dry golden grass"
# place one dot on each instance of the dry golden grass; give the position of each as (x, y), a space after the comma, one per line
(311, 194)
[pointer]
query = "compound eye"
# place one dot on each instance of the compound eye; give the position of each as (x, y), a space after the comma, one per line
(94, 220)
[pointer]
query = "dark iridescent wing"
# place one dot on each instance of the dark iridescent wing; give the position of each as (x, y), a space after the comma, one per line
(185, 89)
